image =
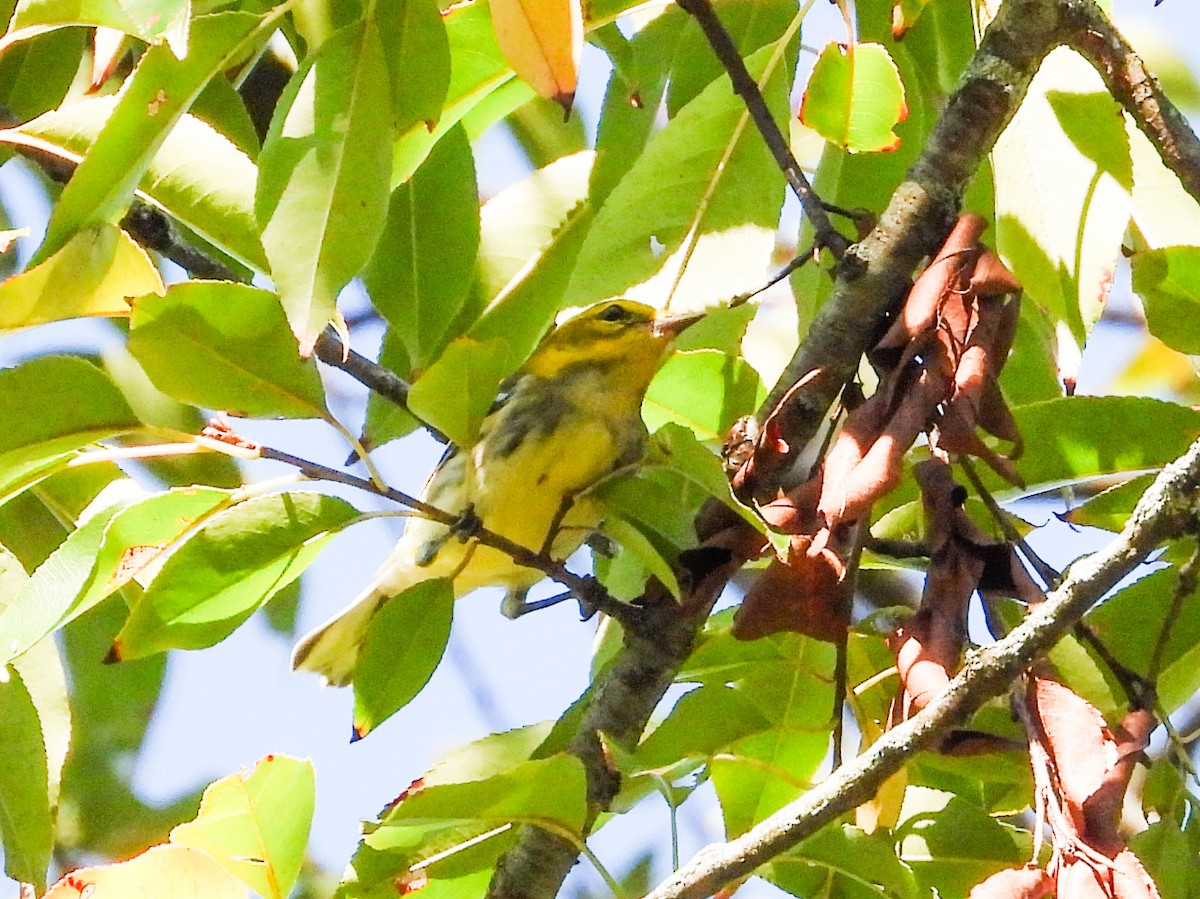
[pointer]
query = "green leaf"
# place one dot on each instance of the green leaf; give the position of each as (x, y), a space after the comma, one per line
(844, 861)
(763, 772)
(705, 189)
(1166, 280)
(387, 420)
(50, 598)
(1133, 623)
(456, 394)
(418, 60)
(228, 568)
(855, 97)
(54, 404)
(692, 65)
(93, 565)
(26, 820)
(1170, 858)
(94, 274)
(952, 844)
(197, 176)
(702, 722)
(36, 75)
(477, 70)
(521, 225)
(40, 672)
(551, 790)
(225, 346)
(1074, 438)
(465, 823)
(704, 390)
(1110, 509)
(401, 650)
(421, 271)
(148, 21)
(324, 173)
(1063, 175)
(1164, 214)
(633, 99)
(256, 825)
(158, 94)
(646, 546)
(488, 756)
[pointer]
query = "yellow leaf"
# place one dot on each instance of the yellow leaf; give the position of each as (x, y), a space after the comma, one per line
(92, 275)
(175, 871)
(542, 40)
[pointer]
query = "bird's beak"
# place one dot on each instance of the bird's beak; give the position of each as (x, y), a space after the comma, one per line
(672, 326)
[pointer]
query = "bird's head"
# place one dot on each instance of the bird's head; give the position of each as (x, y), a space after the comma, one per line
(616, 334)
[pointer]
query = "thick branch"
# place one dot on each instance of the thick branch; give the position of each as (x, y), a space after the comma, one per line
(1171, 503)
(875, 273)
(1138, 91)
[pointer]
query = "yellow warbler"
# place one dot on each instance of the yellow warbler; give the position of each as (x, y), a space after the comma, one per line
(568, 417)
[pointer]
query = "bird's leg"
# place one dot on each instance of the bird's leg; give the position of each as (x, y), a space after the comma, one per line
(467, 525)
(592, 600)
(515, 604)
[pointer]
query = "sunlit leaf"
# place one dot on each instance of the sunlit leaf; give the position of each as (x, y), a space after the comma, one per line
(1080, 437)
(228, 568)
(1063, 176)
(40, 670)
(704, 189)
(543, 41)
(176, 871)
(26, 823)
(159, 93)
(96, 274)
(225, 346)
(323, 175)
(400, 652)
(54, 404)
(855, 97)
(704, 390)
(468, 371)
(845, 861)
(256, 824)
(148, 21)
(1166, 280)
(197, 176)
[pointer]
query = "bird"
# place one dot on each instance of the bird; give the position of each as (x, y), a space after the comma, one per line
(566, 419)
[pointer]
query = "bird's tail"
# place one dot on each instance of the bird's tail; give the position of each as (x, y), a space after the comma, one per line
(332, 649)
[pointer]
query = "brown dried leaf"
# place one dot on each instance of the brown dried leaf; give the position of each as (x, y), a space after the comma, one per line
(1015, 883)
(808, 594)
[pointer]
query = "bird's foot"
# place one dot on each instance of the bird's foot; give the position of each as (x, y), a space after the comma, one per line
(468, 524)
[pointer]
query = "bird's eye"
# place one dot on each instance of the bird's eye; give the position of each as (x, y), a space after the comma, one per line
(614, 313)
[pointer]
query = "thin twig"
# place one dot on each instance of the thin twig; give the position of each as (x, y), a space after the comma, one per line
(330, 350)
(1048, 573)
(584, 587)
(726, 51)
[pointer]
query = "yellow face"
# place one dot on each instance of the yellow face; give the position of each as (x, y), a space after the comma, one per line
(617, 330)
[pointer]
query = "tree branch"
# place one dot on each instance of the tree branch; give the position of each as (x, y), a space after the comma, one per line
(1170, 505)
(871, 279)
(1136, 89)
